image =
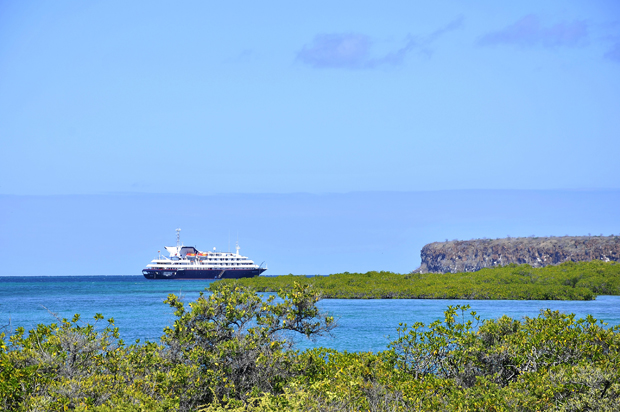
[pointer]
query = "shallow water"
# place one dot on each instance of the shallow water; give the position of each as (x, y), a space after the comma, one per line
(136, 306)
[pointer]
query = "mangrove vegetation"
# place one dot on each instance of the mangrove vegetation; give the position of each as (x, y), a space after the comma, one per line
(230, 351)
(567, 281)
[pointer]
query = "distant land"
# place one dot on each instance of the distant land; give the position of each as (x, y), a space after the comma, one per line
(472, 255)
(301, 233)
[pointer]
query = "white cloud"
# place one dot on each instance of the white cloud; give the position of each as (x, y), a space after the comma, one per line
(337, 51)
(353, 50)
(528, 31)
(614, 52)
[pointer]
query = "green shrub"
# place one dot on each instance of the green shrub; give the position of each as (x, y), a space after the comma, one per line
(228, 351)
(568, 281)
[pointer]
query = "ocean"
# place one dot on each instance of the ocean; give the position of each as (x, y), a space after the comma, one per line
(136, 304)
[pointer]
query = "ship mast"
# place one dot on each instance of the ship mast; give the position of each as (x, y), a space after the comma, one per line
(178, 237)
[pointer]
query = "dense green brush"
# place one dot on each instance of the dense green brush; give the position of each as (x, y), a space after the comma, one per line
(568, 281)
(226, 352)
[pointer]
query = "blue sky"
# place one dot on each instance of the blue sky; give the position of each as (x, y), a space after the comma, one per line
(370, 128)
(304, 233)
(320, 97)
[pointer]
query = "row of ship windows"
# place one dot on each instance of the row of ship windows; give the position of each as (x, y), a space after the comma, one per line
(189, 264)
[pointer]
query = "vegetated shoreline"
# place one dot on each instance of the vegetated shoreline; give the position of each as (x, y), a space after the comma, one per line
(225, 352)
(567, 281)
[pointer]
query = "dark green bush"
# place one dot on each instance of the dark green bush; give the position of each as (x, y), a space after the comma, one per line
(568, 281)
(229, 351)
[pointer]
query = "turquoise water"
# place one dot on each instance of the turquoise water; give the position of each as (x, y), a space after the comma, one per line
(136, 306)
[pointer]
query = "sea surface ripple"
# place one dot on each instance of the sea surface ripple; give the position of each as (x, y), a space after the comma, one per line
(137, 307)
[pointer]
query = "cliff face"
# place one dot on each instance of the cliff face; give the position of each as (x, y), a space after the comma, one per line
(471, 255)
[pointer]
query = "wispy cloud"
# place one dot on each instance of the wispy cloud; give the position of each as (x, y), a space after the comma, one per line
(530, 32)
(453, 25)
(346, 50)
(353, 50)
(614, 52)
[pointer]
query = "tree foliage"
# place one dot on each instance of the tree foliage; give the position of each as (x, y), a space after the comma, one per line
(568, 281)
(231, 350)
(226, 347)
(237, 341)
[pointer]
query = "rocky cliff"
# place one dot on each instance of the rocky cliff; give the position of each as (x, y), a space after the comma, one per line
(471, 255)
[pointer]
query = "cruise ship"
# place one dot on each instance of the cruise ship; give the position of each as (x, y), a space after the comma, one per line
(187, 262)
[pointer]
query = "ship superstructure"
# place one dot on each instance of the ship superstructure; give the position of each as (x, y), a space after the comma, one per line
(187, 262)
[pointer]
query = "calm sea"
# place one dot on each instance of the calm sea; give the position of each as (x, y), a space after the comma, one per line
(136, 306)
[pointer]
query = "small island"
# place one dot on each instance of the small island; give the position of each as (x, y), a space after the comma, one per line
(472, 255)
(563, 268)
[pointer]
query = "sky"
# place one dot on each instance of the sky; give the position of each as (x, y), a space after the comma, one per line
(333, 111)
(313, 97)
(298, 233)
